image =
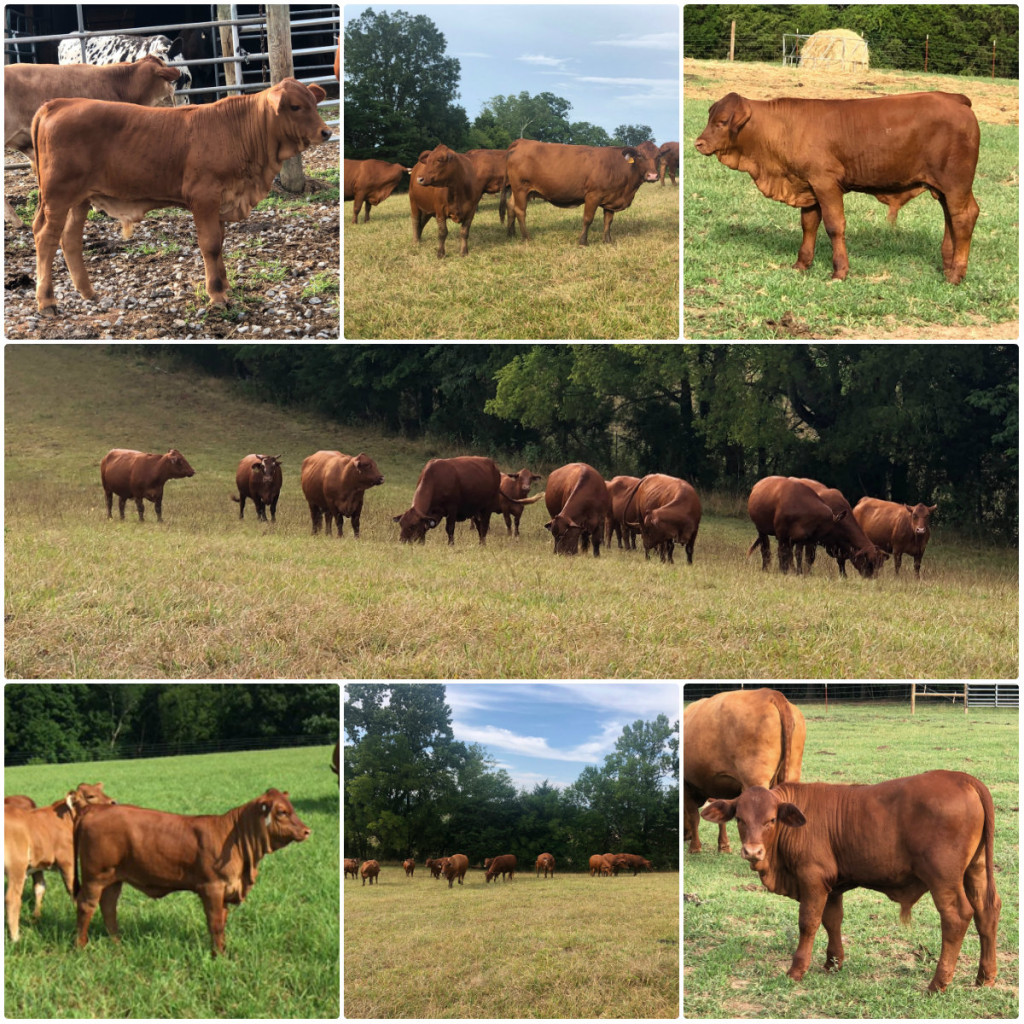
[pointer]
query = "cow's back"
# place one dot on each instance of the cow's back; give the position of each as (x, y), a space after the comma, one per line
(312, 475)
(118, 468)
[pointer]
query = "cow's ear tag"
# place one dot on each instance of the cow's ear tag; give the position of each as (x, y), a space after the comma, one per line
(266, 821)
(629, 160)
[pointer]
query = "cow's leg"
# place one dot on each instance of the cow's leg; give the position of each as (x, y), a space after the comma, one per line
(812, 905)
(956, 912)
(357, 206)
(39, 890)
(210, 232)
(108, 908)
(897, 561)
(917, 563)
(589, 209)
(121, 502)
(141, 510)
(832, 919)
(273, 508)
(12, 899)
(260, 513)
(241, 505)
(449, 528)
(691, 819)
(785, 554)
(608, 215)
(87, 901)
(109, 495)
(961, 214)
(986, 918)
(354, 519)
(339, 522)
(518, 213)
(316, 515)
(689, 548)
(830, 202)
(71, 241)
(366, 211)
(442, 234)
(810, 218)
(47, 227)
(464, 236)
(216, 915)
(482, 523)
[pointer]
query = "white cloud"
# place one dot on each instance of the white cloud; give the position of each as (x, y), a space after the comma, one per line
(544, 62)
(650, 41)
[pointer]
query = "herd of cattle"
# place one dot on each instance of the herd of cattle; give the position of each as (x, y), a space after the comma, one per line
(456, 866)
(91, 132)
(448, 185)
(98, 845)
(585, 509)
(808, 152)
(813, 842)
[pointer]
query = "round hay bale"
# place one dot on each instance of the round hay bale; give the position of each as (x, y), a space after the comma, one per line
(837, 49)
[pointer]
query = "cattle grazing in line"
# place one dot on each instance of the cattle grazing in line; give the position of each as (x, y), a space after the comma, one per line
(577, 501)
(370, 870)
(566, 176)
(667, 510)
(369, 183)
(444, 184)
(140, 475)
(335, 762)
(546, 863)
(631, 862)
(927, 833)
(836, 500)
(334, 486)
(789, 510)
(259, 478)
(514, 489)
(410, 867)
(41, 839)
(505, 864)
(351, 867)
(465, 487)
(215, 856)
(218, 161)
(735, 740)
(28, 86)
(668, 161)
(897, 529)
(622, 495)
(455, 867)
(808, 153)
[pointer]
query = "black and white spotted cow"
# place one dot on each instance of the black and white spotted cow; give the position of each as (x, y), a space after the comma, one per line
(114, 48)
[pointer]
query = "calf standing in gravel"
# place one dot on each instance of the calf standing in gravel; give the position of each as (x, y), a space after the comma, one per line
(217, 160)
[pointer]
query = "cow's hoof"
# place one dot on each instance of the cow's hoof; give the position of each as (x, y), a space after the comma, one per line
(48, 311)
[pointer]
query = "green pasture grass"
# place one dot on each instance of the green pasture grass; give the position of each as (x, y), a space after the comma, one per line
(282, 957)
(739, 939)
(549, 287)
(204, 594)
(571, 946)
(740, 247)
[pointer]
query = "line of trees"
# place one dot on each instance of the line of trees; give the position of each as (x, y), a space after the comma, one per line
(412, 790)
(56, 723)
(917, 422)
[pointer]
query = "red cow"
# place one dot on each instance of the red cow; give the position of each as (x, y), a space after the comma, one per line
(455, 867)
(836, 500)
(334, 485)
(351, 867)
(789, 510)
(928, 833)
(546, 863)
(370, 870)
(605, 176)
(514, 489)
(259, 477)
(597, 865)
(505, 864)
(668, 161)
(214, 856)
(898, 529)
(577, 501)
(369, 183)
(632, 862)
(465, 487)
(489, 165)
(735, 740)
(436, 867)
(139, 475)
(808, 153)
(444, 184)
(667, 510)
(622, 495)
(410, 867)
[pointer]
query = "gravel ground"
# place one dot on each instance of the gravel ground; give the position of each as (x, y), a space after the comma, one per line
(284, 263)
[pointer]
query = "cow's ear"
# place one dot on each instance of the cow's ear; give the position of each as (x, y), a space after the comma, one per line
(396, 519)
(932, 508)
(550, 526)
(791, 815)
(719, 810)
(741, 116)
(837, 516)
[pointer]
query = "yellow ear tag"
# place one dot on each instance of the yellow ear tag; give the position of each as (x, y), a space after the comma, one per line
(629, 159)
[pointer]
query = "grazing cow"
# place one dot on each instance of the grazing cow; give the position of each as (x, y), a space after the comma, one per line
(668, 161)
(789, 510)
(465, 487)
(505, 864)
(370, 870)
(807, 153)
(927, 833)
(455, 867)
(632, 862)
(667, 510)
(38, 840)
(735, 740)
(436, 867)
(351, 867)
(546, 862)
(259, 477)
(836, 500)
(27, 87)
(605, 176)
(577, 501)
(514, 489)
(334, 485)
(140, 475)
(212, 855)
(116, 49)
(218, 161)
(622, 495)
(597, 865)
(369, 183)
(410, 867)
(444, 184)
(897, 529)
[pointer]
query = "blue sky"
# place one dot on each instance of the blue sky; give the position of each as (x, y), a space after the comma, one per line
(615, 63)
(538, 731)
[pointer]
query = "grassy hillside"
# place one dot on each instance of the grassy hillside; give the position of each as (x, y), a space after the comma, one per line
(205, 595)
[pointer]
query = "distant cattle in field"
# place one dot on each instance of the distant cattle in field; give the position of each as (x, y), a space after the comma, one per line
(370, 870)
(334, 486)
(632, 862)
(369, 183)
(505, 864)
(140, 475)
(456, 867)
(546, 863)
(897, 529)
(668, 161)
(410, 867)
(836, 500)
(515, 487)
(259, 478)
(436, 866)
(667, 511)
(577, 501)
(351, 867)
(598, 865)
(444, 184)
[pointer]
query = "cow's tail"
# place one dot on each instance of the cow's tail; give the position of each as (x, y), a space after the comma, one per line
(788, 725)
(235, 498)
(74, 853)
(988, 838)
(503, 201)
